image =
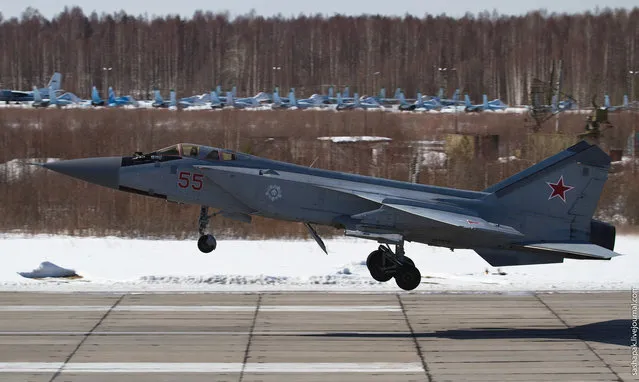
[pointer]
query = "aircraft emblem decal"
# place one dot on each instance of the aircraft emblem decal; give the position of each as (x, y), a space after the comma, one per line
(274, 192)
(559, 189)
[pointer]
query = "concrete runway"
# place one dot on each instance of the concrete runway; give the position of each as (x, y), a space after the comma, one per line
(314, 337)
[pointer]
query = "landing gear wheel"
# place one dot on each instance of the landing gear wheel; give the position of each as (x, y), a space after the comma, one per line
(206, 243)
(408, 277)
(375, 264)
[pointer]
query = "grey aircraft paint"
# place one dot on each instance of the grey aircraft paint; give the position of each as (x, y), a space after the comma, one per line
(541, 215)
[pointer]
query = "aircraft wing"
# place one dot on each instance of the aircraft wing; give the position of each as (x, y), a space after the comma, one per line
(456, 220)
(452, 219)
(18, 93)
(573, 250)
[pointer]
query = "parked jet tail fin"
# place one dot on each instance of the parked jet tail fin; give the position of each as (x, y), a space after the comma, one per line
(401, 98)
(606, 101)
(467, 100)
(398, 93)
(173, 99)
(330, 92)
(215, 100)
(419, 102)
(37, 97)
(346, 93)
(277, 101)
(53, 100)
(291, 98)
(556, 198)
(56, 81)
(339, 99)
(229, 99)
(485, 101)
(95, 96)
(456, 95)
(111, 95)
(158, 96)
(625, 100)
(356, 99)
(382, 93)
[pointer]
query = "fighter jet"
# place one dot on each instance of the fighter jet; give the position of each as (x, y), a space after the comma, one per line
(114, 101)
(159, 102)
(23, 96)
(541, 215)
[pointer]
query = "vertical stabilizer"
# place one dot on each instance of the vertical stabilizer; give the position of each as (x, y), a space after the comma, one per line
(37, 97)
(172, 98)
(56, 81)
(556, 198)
(291, 98)
(95, 97)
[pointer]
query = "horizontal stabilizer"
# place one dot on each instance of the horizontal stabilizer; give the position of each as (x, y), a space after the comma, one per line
(573, 250)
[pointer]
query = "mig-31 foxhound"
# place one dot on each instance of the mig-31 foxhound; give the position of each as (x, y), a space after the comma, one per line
(540, 215)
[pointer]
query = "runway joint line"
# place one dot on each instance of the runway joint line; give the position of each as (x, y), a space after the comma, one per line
(86, 336)
(250, 338)
(551, 310)
(418, 348)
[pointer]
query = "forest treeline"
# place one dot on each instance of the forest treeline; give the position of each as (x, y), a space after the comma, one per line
(34, 200)
(486, 53)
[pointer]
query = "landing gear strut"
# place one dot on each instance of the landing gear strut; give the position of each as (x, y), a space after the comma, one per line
(206, 243)
(383, 265)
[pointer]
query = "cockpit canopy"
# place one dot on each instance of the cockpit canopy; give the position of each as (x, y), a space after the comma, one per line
(190, 150)
(180, 151)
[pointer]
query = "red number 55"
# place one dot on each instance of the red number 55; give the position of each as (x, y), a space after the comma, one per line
(186, 179)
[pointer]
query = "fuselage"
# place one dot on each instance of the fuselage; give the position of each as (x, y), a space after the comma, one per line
(242, 185)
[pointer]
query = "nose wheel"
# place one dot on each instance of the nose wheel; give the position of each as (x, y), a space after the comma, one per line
(206, 243)
(383, 265)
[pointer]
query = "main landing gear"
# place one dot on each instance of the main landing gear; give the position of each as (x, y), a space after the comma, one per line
(383, 265)
(206, 243)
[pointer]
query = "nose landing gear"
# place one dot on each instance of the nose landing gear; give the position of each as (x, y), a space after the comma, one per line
(206, 243)
(383, 265)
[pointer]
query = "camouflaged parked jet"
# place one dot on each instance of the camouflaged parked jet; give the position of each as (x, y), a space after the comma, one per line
(541, 215)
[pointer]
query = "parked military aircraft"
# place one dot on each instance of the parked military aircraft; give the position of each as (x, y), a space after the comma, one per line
(357, 103)
(608, 107)
(540, 215)
(7, 95)
(63, 100)
(419, 104)
(159, 102)
(493, 105)
(455, 101)
(115, 101)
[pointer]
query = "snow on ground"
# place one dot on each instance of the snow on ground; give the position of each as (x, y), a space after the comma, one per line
(349, 139)
(115, 264)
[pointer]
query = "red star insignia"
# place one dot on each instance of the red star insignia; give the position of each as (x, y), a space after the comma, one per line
(559, 189)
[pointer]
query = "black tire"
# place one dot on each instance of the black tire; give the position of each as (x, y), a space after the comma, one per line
(408, 261)
(203, 243)
(375, 262)
(408, 277)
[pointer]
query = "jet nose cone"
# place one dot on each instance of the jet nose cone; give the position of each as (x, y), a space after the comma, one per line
(103, 171)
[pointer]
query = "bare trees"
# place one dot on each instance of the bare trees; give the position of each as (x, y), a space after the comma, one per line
(497, 55)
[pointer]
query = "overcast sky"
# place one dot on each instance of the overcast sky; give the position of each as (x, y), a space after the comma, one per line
(49, 8)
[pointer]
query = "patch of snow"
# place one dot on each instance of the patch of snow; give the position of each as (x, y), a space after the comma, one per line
(347, 139)
(115, 264)
(434, 159)
(507, 159)
(48, 269)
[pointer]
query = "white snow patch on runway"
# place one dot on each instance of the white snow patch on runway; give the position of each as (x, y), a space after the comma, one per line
(115, 264)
